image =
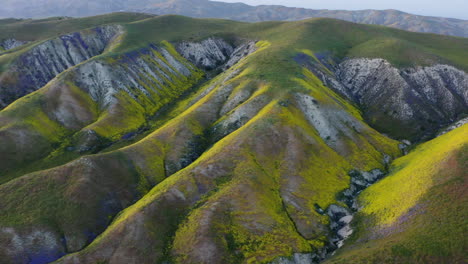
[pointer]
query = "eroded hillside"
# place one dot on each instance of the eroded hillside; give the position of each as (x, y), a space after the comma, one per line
(178, 140)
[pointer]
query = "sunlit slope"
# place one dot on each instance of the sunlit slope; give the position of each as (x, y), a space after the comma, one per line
(252, 195)
(316, 36)
(416, 214)
(340, 38)
(40, 29)
(132, 156)
(75, 110)
(257, 113)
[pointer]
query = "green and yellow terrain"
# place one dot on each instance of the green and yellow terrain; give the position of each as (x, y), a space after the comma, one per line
(167, 139)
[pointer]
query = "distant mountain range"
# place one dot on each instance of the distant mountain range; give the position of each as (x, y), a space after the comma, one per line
(234, 11)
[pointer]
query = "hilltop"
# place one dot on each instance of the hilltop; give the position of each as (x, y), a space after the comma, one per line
(233, 11)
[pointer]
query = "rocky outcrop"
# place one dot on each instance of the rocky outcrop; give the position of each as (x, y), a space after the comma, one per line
(40, 64)
(239, 53)
(147, 71)
(411, 103)
(91, 171)
(39, 246)
(214, 52)
(110, 97)
(340, 218)
(332, 123)
(11, 43)
(125, 90)
(207, 54)
(454, 126)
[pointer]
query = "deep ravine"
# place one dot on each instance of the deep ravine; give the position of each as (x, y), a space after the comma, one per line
(341, 217)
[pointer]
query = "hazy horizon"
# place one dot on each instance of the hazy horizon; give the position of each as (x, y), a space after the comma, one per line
(450, 8)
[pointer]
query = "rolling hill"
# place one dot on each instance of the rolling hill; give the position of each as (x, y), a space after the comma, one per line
(234, 11)
(130, 138)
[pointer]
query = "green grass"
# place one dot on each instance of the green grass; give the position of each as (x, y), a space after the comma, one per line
(127, 116)
(412, 175)
(33, 30)
(319, 35)
(259, 172)
(417, 213)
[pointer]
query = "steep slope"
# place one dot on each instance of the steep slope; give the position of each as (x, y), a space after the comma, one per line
(132, 156)
(15, 31)
(414, 101)
(415, 215)
(98, 100)
(42, 55)
(38, 65)
(243, 172)
(234, 11)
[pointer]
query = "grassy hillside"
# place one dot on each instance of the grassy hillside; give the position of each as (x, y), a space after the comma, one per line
(284, 40)
(243, 194)
(133, 156)
(416, 214)
(233, 11)
(40, 29)
(342, 39)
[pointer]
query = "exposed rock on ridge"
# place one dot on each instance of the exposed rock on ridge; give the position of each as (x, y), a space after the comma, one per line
(41, 63)
(11, 43)
(124, 169)
(141, 72)
(213, 52)
(239, 53)
(213, 180)
(410, 103)
(207, 54)
(456, 125)
(98, 94)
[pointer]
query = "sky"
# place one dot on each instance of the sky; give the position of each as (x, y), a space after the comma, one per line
(442, 8)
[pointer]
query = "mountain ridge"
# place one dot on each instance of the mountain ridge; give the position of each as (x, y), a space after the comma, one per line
(235, 11)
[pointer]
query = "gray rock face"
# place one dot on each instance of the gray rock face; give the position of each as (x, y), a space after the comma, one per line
(215, 53)
(454, 126)
(341, 217)
(37, 66)
(409, 103)
(148, 77)
(103, 80)
(39, 246)
(340, 220)
(11, 43)
(331, 123)
(239, 53)
(145, 79)
(212, 106)
(340, 225)
(207, 54)
(136, 83)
